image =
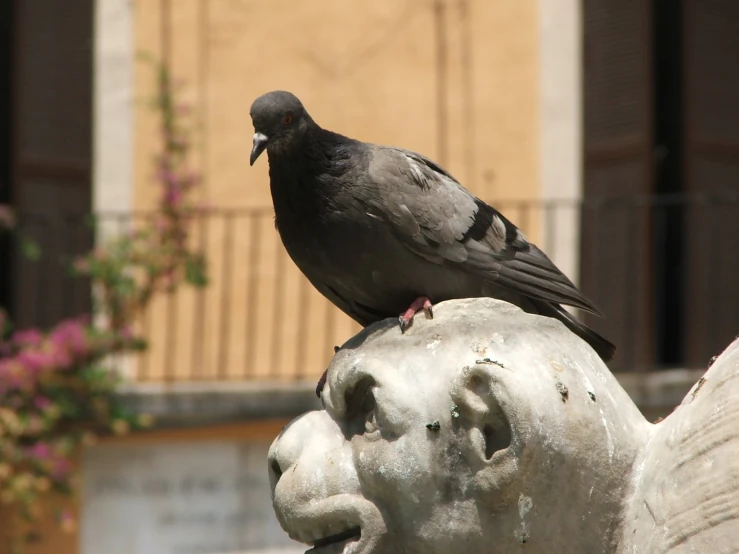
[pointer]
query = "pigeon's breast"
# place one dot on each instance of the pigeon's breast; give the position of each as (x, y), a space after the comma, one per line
(325, 238)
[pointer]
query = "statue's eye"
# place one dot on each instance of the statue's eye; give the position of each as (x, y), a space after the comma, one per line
(360, 398)
(362, 408)
(287, 119)
(371, 426)
(368, 401)
(368, 408)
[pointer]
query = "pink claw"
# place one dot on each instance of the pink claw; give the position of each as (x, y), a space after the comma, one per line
(420, 303)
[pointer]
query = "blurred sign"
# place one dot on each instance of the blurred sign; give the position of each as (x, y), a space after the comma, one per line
(180, 498)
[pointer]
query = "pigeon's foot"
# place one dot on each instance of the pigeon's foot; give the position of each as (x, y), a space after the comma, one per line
(420, 303)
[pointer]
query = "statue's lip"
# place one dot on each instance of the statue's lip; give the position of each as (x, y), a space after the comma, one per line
(345, 523)
(330, 543)
(326, 536)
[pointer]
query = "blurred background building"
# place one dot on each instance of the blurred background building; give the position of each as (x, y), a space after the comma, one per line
(607, 129)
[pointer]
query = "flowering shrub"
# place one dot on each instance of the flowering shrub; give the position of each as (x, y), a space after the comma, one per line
(56, 393)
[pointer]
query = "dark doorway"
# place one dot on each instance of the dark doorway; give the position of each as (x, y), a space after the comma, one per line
(710, 168)
(6, 155)
(660, 247)
(668, 215)
(48, 129)
(616, 255)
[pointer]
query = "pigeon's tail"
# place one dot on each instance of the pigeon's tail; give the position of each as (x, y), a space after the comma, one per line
(604, 348)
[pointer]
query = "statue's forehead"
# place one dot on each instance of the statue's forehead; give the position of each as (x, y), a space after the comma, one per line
(430, 353)
(432, 347)
(408, 367)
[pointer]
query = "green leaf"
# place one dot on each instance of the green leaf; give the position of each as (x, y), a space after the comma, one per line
(30, 248)
(195, 270)
(139, 344)
(125, 286)
(6, 326)
(91, 222)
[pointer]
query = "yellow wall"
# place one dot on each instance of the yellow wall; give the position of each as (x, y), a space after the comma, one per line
(365, 69)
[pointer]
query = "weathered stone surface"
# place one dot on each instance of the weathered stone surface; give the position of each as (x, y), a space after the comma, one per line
(686, 481)
(488, 430)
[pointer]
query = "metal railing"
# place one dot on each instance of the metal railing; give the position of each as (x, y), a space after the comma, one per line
(664, 270)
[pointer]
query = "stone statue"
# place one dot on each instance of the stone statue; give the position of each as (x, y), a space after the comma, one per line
(490, 430)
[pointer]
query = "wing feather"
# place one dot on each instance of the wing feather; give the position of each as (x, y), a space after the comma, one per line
(438, 219)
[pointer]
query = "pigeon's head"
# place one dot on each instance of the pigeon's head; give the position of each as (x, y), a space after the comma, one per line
(279, 122)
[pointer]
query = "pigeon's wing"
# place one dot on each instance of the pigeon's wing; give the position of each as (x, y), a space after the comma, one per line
(438, 219)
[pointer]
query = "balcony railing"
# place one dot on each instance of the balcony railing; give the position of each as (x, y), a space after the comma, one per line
(664, 270)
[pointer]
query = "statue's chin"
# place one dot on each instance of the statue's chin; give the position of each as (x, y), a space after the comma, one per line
(341, 524)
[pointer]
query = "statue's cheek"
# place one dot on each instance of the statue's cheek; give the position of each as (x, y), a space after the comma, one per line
(398, 465)
(370, 459)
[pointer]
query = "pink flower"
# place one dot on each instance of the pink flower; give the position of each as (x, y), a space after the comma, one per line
(69, 336)
(28, 337)
(34, 361)
(14, 376)
(61, 359)
(190, 178)
(173, 196)
(177, 142)
(60, 469)
(136, 234)
(34, 424)
(67, 521)
(40, 451)
(167, 177)
(42, 402)
(161, 224)
(81, 265)
(7, 217)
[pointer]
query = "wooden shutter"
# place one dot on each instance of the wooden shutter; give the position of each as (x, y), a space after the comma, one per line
(52, 99)
(616, 235)
(711, 138)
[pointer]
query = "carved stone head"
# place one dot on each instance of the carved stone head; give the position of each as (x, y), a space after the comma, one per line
(480, 431)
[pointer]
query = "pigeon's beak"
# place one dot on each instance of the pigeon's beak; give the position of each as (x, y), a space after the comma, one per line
(260, 143)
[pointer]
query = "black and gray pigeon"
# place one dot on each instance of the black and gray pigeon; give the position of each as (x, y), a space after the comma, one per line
(382, 231)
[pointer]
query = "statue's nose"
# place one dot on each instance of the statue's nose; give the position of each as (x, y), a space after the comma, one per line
(306, 436)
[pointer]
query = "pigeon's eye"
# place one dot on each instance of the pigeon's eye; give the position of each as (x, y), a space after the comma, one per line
(287, 119)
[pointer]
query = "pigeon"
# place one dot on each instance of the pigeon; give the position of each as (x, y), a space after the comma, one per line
(381, 231)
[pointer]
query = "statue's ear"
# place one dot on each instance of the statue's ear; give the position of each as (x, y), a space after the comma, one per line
(479, 413)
